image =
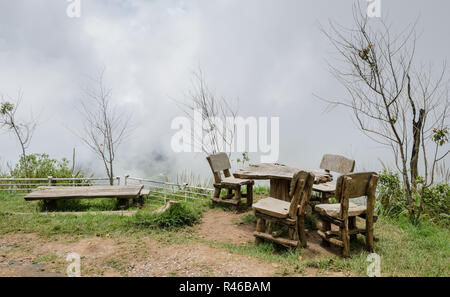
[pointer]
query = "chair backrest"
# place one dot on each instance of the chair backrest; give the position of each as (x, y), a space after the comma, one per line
(356, 185)
(300, 192)
(219, 162)
(337, 163)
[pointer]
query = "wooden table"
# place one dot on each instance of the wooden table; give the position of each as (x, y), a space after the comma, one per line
(85, 192)
(280, 177)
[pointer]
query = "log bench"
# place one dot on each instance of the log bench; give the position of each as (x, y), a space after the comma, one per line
(51, 194)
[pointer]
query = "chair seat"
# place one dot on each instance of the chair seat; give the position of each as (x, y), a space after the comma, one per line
(273, 207)
(334, 210)
(325, 187)
(232, 181)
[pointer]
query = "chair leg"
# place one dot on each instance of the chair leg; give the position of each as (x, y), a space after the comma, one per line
(324, 198)
(249, 195)
(237, 197)
(260, 227)
(301, 231)
(229, 192)
(346, 240)
(369, 235)
(352, 226)
(325, 226)
(217, 192)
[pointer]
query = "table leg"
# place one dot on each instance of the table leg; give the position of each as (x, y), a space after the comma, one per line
(279, 188)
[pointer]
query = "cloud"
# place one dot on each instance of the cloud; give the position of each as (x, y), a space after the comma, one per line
(269, 54)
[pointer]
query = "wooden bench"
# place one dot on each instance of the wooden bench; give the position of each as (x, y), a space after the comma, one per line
(49, 194)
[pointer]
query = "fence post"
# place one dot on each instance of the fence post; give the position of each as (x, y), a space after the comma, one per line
(165, 194)
(50, 181)
(126, 179)
(185, 192)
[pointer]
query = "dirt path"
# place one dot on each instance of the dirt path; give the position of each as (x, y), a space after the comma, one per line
(32, 255)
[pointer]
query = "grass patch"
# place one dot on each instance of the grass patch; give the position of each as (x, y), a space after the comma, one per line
(91, 224)
(178, 215)
(46, 258)
(405, 249)
(248, 218)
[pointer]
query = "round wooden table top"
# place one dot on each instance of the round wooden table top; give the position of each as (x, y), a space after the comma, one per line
(278, 171)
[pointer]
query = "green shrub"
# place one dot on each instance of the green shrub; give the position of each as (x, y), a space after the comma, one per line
(391, 200)
(391, 196)
(42, 166)
(311, 222)
(179, 215)
(437, 203)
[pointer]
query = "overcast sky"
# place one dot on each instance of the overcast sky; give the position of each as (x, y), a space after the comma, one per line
(268, 53)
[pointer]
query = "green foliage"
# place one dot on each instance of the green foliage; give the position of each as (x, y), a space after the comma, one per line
(392, 202)
(440, 136)
(245, 158)
(6, 107)
(437, 203)
(178, 215)
(261, 190)
(311, 222)
(391, 199)
(42, 166)
(99, 204)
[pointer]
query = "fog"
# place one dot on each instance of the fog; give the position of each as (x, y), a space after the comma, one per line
(269, 55)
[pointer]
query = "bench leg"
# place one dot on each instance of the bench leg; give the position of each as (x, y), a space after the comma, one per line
(237, 197)
(325, 226)
(301, 231)
(49, 204)
(249, 195)
(260, 227)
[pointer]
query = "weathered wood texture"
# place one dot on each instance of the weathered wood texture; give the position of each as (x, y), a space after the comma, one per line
(270, 211)
(219, 162)
(273, 207)
(344, 214)
(334, 210)
(337, 163)
(55, 193)
(278, 171)
(334, 163)
(166, 207)
(220, 167)
(280, 177)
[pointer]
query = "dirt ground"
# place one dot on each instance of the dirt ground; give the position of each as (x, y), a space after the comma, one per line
(25, 254)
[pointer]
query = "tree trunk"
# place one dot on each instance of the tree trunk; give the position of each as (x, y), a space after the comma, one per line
(111, 174)
(417, 128)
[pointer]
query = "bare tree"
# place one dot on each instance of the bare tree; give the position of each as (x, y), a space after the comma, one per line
(105, 127)
(216, 135)
(394, 102)
(22, 130)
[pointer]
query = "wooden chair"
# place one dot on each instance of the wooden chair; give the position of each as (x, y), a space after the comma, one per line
(334, 163)
(344, 214)
(220, 165)
(270, 211)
